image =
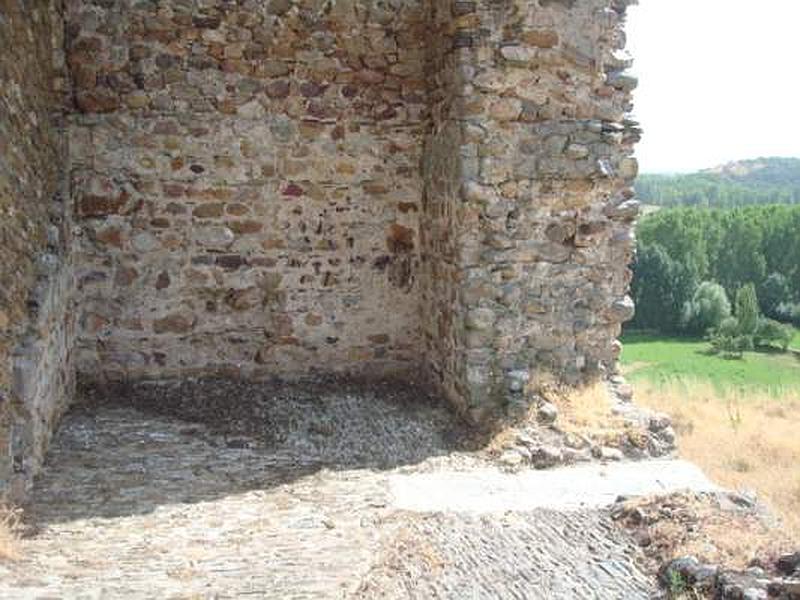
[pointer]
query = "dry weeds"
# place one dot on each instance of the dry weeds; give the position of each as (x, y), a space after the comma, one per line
(586, 411)
(583, 412)
(9, 533)
(743, 439)
(689, 524)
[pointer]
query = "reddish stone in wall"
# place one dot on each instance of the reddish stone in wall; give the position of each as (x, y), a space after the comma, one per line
(92, 206)
(293, 190)
(400, 239)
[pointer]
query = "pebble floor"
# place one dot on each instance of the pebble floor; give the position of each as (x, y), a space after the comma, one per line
(135, 504)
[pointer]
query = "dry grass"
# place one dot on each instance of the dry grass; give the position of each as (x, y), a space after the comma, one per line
(586, 412)
(734, 541)
(689, 524)
(741, 439)
(9, 533)
(583, 412)
(586, 409)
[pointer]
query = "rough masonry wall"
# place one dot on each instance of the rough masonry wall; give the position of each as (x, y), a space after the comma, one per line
(263, 187)
(272, 187)
(246, 178)
(36, 326)
(445, 218)
(539, 242)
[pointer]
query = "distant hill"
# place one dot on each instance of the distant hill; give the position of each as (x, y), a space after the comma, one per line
(758, 181)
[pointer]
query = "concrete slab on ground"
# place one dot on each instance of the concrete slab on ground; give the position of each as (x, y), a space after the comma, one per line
(580, 487)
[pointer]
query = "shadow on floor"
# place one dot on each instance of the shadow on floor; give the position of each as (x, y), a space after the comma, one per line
(126, 450)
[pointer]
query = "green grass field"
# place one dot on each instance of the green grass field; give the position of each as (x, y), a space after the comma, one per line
(660, 359)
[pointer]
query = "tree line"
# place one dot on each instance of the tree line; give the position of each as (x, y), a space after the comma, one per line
(760, 181)
(696, 266)
(709, 191)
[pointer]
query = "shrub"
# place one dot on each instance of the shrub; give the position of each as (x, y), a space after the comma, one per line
(730, 346)
(728, 340)
(770, 332)
(788, 313)
(728, 327)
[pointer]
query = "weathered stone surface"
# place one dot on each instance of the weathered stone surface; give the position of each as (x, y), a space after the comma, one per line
(547, 413)
(417, 186)
(526, 210)
(710, 580)
(237, 147)
(279, 501)
(36, 318)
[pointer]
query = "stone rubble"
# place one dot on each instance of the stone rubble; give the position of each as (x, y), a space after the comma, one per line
(725, 584)
(663, 525)
(542, 442)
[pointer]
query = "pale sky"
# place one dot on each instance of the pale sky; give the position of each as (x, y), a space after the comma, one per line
(719, 80)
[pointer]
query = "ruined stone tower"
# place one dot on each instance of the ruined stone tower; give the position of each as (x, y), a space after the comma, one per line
(250, 188)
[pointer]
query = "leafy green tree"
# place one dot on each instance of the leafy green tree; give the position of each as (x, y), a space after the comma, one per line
(682, 233)
(781, 244)
(774, 291)
(740, 258)
(747, 313)
(707, 309)
(796, 279)
(660, 287)
(731, 247)
(789, 313)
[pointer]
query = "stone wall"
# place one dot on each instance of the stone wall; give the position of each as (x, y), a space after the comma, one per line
(36, 375)
(439, 188)
(539, 240)
(446, 219)
(246, 178)
(276, 187)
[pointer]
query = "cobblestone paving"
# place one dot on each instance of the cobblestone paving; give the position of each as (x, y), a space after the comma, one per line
(540, 554)
(133, 504)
